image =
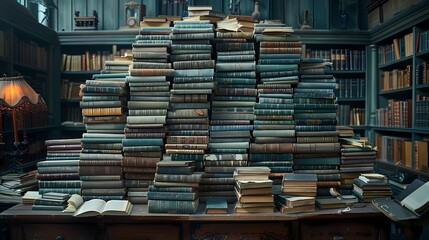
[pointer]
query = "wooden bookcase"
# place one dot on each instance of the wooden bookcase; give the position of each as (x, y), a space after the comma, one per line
(84, 53)
(29, 49)
(398, 126)
(347, 50)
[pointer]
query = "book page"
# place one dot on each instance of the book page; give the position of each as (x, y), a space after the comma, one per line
(90, 208)
(117, 207)
(74, 203)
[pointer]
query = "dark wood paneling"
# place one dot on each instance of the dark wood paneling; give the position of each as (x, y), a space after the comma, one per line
(321, 14)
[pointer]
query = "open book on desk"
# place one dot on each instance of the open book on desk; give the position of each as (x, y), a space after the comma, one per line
(95, 207)
(410, 204)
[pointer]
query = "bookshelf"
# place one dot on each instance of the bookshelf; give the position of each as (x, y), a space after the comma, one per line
(347, 50)
(83, 54)
(28, 49)
(399, 126)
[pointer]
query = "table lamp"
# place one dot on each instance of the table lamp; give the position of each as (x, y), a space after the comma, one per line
(17, 97)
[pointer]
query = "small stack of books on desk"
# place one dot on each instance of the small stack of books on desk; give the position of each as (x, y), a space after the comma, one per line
(298, 193)
(253, 190)
(371, 185)
(51, 201)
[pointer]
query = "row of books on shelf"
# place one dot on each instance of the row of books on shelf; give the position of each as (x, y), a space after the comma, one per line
(349, 116)
(400, 48)
(4, 48)
(422, 73)
(422, 112)
(399, 150)
(351, 88)
(29, 52)
(91, 61)
(342, 59)
(72, 114)
(70, 89)
(396, 114)
(396, 79)
(423, 41)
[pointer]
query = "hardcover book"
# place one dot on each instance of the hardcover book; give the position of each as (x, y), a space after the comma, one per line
(95, 207)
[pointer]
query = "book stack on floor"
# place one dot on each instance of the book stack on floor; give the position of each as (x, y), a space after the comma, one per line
(60, 171)
(317, 148)
(175, 188)
(357, 156)
(147, 110)
(253, 190)
(104, 114)
(298, 193)
(188, 116)
(14, 185)
(371, 185)
(274, 126)
(51, 201)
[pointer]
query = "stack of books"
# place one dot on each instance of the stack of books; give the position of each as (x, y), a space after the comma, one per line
(274, 125)
(217, 180)
(175, 188)
(357, 156)
(317, 149)
(14, 185)
(188, 115)
(160, 21)
(198, 13)
(59, 172)
(235, 26)
(51, 201)
(253, 190)
(104, 114)
(369, 186)
(294, 204)
(297, 184)
(146, 129)
(120, 65)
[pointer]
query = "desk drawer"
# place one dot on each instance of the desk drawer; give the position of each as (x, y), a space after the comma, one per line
(60, 231)
(334, 230)
(142, 231)
(238, 231)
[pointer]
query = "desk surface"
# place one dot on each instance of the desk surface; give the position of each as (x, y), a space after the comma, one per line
(139, 213)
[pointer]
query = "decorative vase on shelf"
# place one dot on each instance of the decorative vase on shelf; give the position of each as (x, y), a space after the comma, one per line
(256, 15)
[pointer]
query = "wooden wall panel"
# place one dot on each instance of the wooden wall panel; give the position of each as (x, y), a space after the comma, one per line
(81, 6)
(64, 15)
(321, 13)
(111, 15)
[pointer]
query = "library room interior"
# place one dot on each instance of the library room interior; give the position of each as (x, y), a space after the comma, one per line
(214, 119)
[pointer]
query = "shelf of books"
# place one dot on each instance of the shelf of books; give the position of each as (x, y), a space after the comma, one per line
(84, 54)
(401, 126)
(349, 69)
(28, 49)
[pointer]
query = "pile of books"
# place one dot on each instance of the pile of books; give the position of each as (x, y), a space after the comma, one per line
(104, 114)
(253, 190)
(14, 185)
(198, 13)
(369, 186)
(51, 201)
(146, 129)
(298, 193)
(59, 172)
(175, 188)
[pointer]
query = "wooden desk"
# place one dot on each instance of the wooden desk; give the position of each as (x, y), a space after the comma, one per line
(360, 223)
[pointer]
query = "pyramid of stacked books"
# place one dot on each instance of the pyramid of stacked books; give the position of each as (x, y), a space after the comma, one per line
(371, 185)
(59, 172)
(298, 193)
(274, 126)
(317, 148)
(253, 190)
(357, 156)
(14, 185)
(104, 114)
(188, 115)
(175, 188)
(145, 130)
